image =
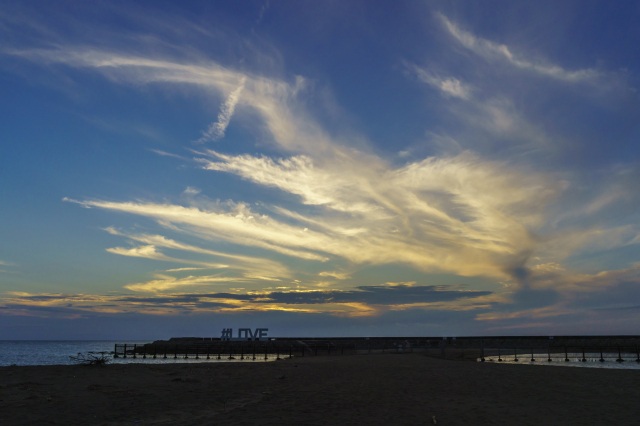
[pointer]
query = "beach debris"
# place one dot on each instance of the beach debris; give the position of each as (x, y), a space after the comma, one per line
(91, 358)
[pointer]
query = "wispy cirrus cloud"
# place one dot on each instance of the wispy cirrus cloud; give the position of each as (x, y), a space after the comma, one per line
(448, 86)
(461, 213)
(465, 213)
(217, 130)
(334, 274)
(147, 252)
(168, 154)
(237, 223)
(249, 266)
(5, 266)
(162, 283)
(479, 225)
(272, 99)
(299, 175)
(492, 50)
(185, 269)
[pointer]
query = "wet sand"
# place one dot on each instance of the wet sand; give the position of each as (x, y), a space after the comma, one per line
(377, 389)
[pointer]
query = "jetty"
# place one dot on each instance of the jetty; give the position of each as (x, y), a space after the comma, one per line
(476, 348)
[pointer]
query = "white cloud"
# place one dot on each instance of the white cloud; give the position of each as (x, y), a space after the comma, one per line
(273, 100)
(163, 283)
(459, 214)
(217, 130)
(190, 190)
(298, 175)
(184, 269)
(135, 69)
(237, 224)
(449, 86)
(147, 252)
(492, 50)
(250, 266)
(4, 266)
(167, 154)
(335, 274)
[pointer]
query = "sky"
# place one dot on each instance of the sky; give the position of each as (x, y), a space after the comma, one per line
(360, 168)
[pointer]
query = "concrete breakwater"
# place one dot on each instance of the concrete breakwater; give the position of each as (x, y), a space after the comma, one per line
(471, 348)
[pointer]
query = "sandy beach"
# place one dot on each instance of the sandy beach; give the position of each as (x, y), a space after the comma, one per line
(378, 389)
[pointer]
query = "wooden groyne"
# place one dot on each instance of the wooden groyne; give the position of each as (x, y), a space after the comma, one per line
(214, 348)
(512, 348)
(544, 348)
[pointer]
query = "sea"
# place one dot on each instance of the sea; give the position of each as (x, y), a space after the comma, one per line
(59, 352)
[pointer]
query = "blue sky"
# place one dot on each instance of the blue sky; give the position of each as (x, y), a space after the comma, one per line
(331, 168)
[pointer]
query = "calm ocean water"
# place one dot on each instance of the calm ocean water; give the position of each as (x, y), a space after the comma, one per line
(57, 352)
(45, 352)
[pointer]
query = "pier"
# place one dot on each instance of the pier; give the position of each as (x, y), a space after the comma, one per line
(215, 348)
(492, 348)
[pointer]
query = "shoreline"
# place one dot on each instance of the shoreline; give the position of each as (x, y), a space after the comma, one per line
(370, 389)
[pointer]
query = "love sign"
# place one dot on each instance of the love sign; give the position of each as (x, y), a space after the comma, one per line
(244, 334)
